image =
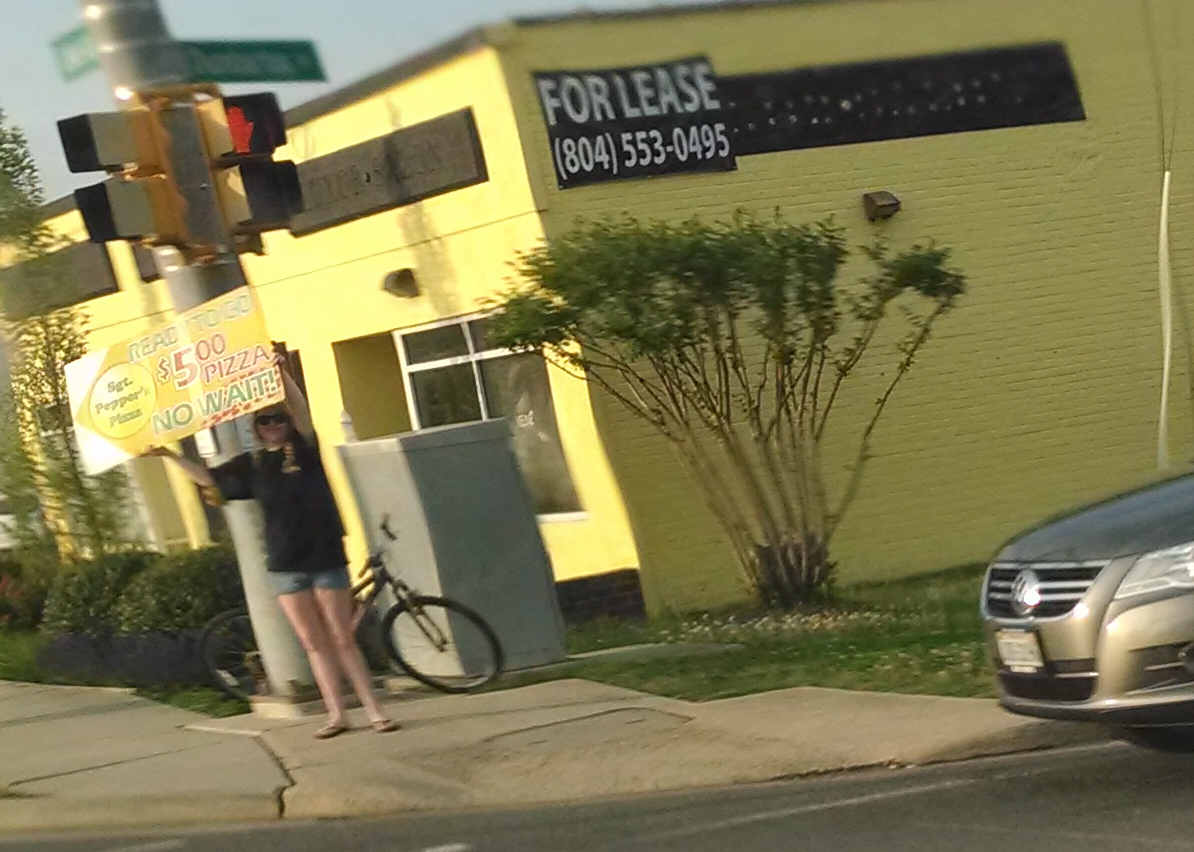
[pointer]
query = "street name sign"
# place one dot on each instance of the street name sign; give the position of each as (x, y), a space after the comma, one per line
(253, 61)
(209, 61)
(75, 54)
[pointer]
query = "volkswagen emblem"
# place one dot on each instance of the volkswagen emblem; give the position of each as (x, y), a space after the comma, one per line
(1026, 592)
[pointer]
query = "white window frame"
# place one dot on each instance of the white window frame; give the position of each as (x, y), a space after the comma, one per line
(473, 358)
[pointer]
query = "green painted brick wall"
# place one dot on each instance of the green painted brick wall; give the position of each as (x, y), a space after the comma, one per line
(1041, 390)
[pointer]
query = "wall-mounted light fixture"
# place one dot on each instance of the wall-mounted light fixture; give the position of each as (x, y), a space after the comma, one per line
(401, 283)
(880, 205)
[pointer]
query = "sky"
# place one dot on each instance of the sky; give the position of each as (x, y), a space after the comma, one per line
(354, 38)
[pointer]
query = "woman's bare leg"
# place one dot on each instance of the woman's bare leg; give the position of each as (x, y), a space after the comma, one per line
(336, 607)
(307, 619)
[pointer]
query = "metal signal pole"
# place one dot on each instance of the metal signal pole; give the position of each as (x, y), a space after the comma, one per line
(141, 59)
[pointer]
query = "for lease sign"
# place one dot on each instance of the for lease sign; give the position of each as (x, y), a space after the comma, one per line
(212, 364)
(635, 122)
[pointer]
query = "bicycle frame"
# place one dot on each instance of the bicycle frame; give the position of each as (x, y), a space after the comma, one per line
(376, 578)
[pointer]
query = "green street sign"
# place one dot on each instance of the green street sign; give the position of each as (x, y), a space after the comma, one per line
(253, 61)
(209, 61)
(75, 54)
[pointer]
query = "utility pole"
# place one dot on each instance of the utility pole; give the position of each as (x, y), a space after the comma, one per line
(144, 63)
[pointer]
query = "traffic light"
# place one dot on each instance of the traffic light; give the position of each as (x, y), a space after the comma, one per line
(141, 209)
(109, 141)
(140, 201)
(256, 192)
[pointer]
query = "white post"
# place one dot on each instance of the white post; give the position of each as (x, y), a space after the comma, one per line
(1166, 287)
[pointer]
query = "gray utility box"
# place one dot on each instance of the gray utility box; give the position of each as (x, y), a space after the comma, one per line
(466, 529)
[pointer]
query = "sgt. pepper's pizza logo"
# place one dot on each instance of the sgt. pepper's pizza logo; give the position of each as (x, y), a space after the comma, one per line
(122, 401)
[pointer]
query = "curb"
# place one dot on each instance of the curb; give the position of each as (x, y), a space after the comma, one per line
(314, 797)
(1039, 735)
(21, 813)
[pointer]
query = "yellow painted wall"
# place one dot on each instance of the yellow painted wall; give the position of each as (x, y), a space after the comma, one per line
(370, 387)
(326, 287)
(1041, 391)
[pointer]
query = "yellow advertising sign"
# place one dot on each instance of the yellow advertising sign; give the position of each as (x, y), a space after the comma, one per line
(212, 364)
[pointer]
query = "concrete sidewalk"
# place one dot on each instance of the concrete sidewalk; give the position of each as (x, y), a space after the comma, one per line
(76, 757)
(81, 756)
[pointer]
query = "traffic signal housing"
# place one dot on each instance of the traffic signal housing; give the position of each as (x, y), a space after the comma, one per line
(256, 192)
(140, 201)
(109, 141)
(141, 209)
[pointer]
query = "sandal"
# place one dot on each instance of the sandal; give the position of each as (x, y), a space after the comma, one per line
(330, 730)
(384, 726)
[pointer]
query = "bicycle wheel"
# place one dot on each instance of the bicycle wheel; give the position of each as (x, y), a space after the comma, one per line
(228, 649)
(368, 634)
(442, 643)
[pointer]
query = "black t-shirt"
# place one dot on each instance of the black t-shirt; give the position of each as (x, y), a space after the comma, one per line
(303, 531)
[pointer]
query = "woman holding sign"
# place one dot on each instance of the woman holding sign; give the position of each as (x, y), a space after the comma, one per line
(304, 543)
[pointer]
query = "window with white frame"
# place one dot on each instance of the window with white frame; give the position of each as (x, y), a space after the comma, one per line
(454, 376)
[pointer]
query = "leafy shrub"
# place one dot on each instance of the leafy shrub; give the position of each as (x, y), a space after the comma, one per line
(22, 593)
(181, 591)
(19, 650)
(146, 659)
(732, 340)
(22, 602)
(11, 593)
(83, 598)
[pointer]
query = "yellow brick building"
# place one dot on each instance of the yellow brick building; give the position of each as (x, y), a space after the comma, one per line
(1039, 392)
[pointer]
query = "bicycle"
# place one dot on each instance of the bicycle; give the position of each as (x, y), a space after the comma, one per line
(437, 641)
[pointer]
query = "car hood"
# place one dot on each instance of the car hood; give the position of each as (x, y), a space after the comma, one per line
(1149, 519)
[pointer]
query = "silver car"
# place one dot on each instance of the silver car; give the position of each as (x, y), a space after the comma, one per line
(1091, 616)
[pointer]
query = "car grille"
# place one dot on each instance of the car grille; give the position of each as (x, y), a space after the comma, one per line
(1062, 585)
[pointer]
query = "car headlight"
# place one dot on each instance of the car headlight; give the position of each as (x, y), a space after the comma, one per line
(1171, 568)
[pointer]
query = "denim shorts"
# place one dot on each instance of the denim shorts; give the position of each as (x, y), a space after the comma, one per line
(289, 582)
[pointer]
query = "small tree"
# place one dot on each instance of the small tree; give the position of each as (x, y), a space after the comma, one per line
(40, 471)
(734, 341)
(33, 545)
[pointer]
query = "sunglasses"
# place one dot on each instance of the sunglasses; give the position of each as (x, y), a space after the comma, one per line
(271, 420)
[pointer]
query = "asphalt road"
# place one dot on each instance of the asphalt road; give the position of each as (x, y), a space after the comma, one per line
(1108, 797)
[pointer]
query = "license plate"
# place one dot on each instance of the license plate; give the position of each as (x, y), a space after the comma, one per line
(1019, 650)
